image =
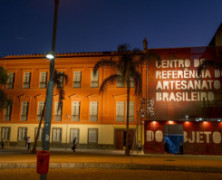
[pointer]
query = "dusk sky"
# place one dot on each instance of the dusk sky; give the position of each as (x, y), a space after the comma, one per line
(101, 25)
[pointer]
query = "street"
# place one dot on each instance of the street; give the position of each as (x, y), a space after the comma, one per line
(106, 174)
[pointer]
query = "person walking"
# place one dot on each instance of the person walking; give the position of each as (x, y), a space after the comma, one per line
(2, 143)
(74, 145)
(29, 143)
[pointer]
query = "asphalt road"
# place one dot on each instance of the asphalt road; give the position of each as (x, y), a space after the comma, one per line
(106, 174)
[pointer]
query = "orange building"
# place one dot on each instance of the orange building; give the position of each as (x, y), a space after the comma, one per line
(96, 119)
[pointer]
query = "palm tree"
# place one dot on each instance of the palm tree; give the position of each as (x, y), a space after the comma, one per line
(127, 66)
(58, 81)
(4, 100)
(209, 63)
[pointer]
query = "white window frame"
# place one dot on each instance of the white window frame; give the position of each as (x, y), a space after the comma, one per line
(8, 112)
(5, 133)
(74, 132)
(92, 136)
(58, 112)
(75, 110)
(93, 110)
(56, 134)
(95, 79)
(120, 83)
(22, 133)
(40, 134)
(120, 108)
(24, 110)
(41, 105)
(77, 75)
(10, 81)
(43, 80)
(131, 112)
(27, 80)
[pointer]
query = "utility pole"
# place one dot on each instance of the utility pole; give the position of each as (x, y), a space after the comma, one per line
(49, 97)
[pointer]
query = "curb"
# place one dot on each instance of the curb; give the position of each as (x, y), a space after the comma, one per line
(114, 166)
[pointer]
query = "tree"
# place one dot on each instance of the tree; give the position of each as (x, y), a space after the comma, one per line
(127, 66)
(4, 100)
(207, 64)
(58, 78)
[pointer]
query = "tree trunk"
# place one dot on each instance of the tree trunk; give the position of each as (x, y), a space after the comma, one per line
(33, 151)
(127, 150)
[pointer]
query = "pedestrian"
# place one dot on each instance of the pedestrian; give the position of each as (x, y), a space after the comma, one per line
(74, 145)
(2, 143)
(29, 143)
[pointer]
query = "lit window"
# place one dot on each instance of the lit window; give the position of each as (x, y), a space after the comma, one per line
(10, 81)
(120, 82)
(131, 111)
(74, 133)
(40, 134)
(93, 110)
(75, 110)
(43, 80)
(56, 134)
(24, 111)
(41, 106)
(26, 81)
(93, 136)
(120, 111)
(58, 111)
(8, 112)
(22, 134)
(77, 79)
(95, 79)
(5, 135)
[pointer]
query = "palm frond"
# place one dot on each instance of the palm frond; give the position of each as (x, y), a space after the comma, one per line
(111, 79)
(138, 82)
(208, 63)
(102, 63)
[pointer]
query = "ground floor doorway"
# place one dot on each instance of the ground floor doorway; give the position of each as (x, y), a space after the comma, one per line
(173, 138)
(120, 137)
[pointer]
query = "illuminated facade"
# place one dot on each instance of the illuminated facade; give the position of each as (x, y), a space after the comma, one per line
(183, 109)
(96, 119)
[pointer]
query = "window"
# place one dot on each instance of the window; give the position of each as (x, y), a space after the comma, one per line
(40, 134)
(60, 81)
(95, 79)
(27, 78)
(8, 112)
(131, 82)
(10, 81)
(120, 111)
(74, 133)
(56, 134)
(93, 136)
(120, 82)
(58, 111)
(5, 133)
(40, 110)
(43, 80)
(22, 134)
(24, 111)
(131, 113)
(77, 79)
(93, 110)
(75, 110)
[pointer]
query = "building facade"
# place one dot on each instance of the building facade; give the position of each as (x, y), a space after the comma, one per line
(98, 120)
(182, 109)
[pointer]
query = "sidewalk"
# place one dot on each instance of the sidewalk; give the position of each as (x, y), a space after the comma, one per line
(112, 159)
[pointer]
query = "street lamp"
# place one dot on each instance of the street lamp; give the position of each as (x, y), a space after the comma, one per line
(49, 96)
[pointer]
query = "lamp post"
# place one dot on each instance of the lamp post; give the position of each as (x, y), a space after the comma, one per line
(49, 97)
